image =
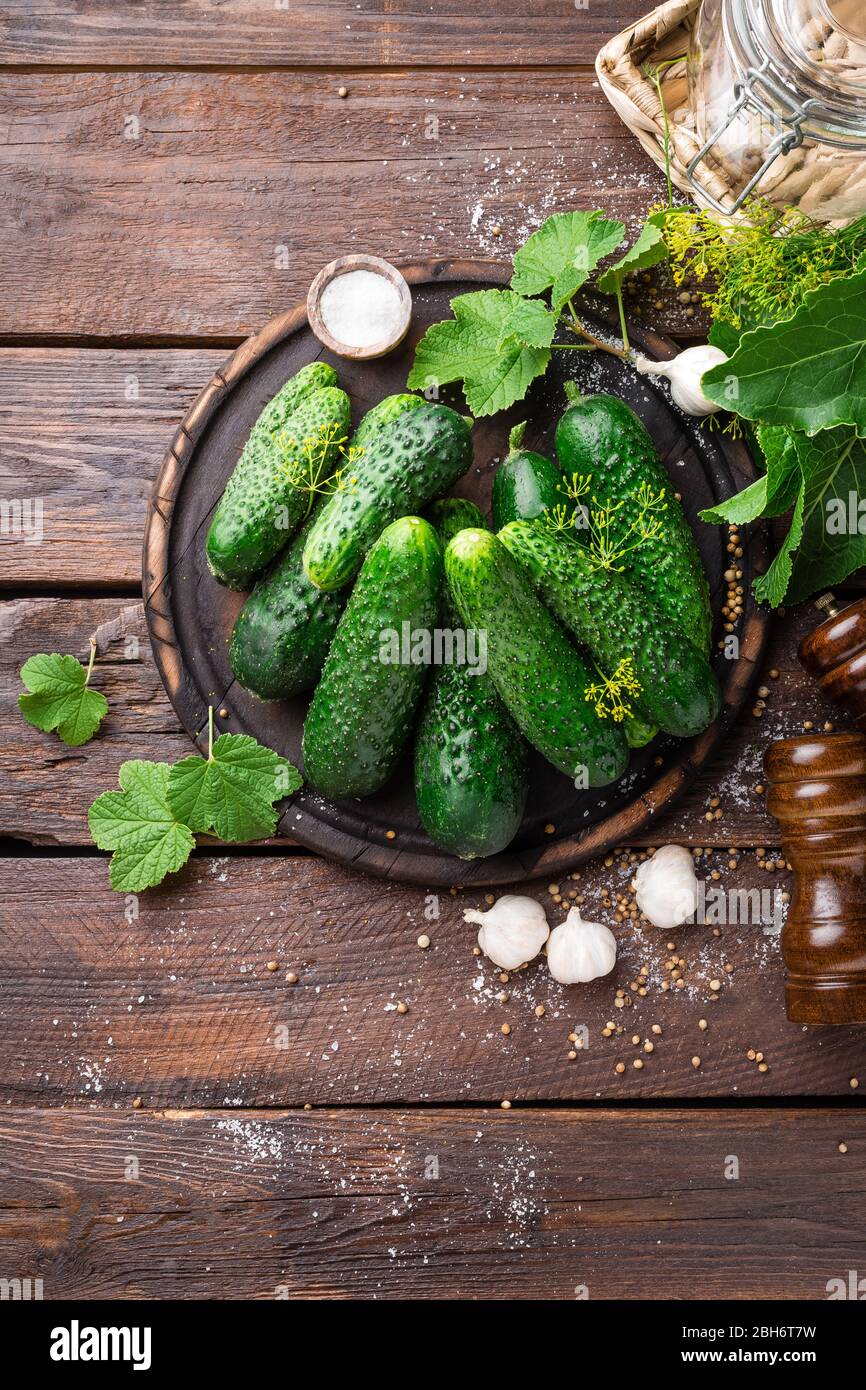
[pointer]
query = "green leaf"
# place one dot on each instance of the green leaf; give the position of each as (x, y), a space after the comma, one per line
(834, 527)
(648, 250)
(531, 322)
(770, 495)
(725, 336)
(563, 253)
(231, 793)
(808, 371)
(742, 507)
(138, 824)
(60, 698)
(479, 348)
(771, 587)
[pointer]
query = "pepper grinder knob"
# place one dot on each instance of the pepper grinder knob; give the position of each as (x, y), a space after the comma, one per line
(835, 654)
(817, 792)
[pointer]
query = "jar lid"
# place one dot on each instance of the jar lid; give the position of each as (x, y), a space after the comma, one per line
(815, 48)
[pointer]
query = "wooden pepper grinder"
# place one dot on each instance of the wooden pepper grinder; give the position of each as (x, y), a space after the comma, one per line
(817, 792)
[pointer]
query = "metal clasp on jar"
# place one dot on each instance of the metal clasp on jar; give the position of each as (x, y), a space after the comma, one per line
(782, 143)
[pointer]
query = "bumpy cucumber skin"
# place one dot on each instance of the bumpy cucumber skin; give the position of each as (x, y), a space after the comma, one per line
(471, 780)
(470, 766)
(539, 675)
(524, 486)
(420, 456)
(384, 413)
(452, 514)
(602, 436)
(283, 632)
(362, 711)
(260, 509)
(613, 619)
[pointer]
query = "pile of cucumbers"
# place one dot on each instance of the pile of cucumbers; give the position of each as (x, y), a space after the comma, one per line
(351, 580)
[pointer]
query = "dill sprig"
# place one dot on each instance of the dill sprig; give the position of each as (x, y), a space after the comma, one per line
(758, 270)
(653, 72)
(606, 550)
(305, 463)
(610, 694)
(563, 519)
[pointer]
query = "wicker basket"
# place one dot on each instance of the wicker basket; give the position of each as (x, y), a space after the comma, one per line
(811, 180)
(660, 37)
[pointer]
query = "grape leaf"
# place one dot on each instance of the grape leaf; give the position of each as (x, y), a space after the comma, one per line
(231, 793)
(563, 253)
(649, 249)
(480, 348)
(60, 698)
(808, 371)
(138, 824)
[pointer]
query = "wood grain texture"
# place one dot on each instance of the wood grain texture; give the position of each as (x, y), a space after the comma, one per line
(463, 1204)
(239, 188)
(46, 788)
(82, 433)
(315, 33)
(177, 1004)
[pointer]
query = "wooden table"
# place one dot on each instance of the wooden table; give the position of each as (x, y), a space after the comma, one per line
(178, 1120)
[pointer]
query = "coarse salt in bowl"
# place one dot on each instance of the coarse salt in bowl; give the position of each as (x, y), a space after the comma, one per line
(359, 306)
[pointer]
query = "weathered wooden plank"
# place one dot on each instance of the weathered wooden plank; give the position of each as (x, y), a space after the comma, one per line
(203, 203)
(316, 33)
(169, 997)
(82, 435)
(599, 1204)
(46, 788)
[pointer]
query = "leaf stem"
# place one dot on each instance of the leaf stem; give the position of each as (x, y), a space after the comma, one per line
(210, 733)
(622, 322)
(91, 661)
(578, 328)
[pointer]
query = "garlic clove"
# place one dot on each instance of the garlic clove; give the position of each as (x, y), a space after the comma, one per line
(667, 887)
(579, 951)
(684, 374)
(512, 932)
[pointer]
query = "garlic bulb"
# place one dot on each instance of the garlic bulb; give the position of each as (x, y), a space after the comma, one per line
(667, 887)
(579, 951)
(512, 932)
(685, 372)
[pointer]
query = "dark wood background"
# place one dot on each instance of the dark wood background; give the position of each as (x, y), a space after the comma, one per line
(173, 176)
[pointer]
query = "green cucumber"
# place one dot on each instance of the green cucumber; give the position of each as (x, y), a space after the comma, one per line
(283, 632)
(452, 514)
(538, 673)
(614, 620)
(470, 761)
(601, 436)
(525, 484)
(262, 505)
(379, 416)
(404, 467)
(638, 732)
(362, 710)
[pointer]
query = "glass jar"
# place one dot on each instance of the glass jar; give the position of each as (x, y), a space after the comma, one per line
(778, 91)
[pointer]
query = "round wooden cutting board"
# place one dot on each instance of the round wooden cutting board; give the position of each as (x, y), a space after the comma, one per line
(190, 616)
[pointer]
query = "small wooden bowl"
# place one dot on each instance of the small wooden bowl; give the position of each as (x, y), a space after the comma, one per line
(342, 266)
